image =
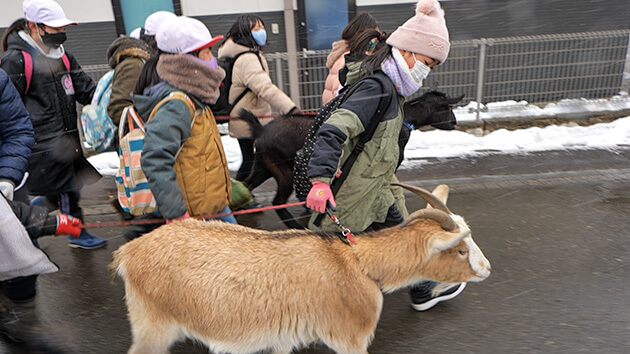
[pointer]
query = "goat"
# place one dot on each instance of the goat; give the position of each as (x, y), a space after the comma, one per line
(277, 142)
(241, 290)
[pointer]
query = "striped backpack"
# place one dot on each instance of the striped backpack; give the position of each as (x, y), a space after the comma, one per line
(134, 194)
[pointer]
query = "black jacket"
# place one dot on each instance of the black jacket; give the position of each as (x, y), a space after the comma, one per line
(57, 157)
(35, 218)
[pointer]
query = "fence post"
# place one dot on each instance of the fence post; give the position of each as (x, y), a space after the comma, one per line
(279, 79)
(480, 73)
(625, 80)
(289, 24)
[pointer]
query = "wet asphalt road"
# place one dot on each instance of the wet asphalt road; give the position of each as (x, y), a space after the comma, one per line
(554, 225)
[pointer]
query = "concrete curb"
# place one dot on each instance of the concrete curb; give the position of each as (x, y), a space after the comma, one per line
(514, 123)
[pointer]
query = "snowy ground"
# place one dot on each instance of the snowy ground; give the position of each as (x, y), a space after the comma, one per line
(436, 144)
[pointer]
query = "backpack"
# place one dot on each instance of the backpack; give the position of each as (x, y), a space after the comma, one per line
(28, 67)
(223, 107)
(301, 182)
(134, 194)
(98, 128)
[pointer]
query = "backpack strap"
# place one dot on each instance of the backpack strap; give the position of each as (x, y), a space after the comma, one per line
(137, 120)
(28, 67)
(247, 89)
(66, 61)
(365, 137)
(176, 95)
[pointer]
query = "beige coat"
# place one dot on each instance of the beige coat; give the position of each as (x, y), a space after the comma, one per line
(335, 62)
(249, 73)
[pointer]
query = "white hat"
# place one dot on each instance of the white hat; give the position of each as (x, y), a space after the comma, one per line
(47, 12)
(155, 20)
(136, 33)
(184, 35)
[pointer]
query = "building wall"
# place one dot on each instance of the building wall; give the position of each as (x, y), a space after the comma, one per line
(470, 19)
(466, 19)
(82, 11)
(209, 8)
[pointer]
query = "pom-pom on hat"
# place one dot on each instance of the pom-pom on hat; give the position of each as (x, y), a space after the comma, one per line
(184, 35)
(47, 12)
(425, 33)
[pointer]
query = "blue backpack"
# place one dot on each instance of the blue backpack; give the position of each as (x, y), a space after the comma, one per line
(98, 128)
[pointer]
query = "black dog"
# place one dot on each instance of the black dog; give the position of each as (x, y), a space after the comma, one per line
(277, 142)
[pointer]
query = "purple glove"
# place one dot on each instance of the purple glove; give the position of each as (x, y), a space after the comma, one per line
(318, 196)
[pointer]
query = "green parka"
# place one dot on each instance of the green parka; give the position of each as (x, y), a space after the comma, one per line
(366, 194)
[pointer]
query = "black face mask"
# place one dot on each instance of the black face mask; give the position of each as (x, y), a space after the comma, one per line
(54, 40)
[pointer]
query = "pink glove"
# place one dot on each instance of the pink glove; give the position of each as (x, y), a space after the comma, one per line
(68, 225)
(185, 216)
(318, 196)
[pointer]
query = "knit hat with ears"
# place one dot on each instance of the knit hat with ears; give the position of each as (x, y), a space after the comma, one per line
(425, 33)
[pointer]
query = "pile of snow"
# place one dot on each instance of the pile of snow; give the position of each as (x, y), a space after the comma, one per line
(440, 144)
(514, 109)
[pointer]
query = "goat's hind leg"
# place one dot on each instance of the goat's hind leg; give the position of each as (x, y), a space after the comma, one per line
(150, 335)
(154, 338)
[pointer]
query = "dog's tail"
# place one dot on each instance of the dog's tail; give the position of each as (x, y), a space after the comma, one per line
(253, 122)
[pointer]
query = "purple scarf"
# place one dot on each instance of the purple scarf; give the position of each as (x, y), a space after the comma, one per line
(404, 85)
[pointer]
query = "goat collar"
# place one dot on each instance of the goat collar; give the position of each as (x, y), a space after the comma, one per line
(409, 126)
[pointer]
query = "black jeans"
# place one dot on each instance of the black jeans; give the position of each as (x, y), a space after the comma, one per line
(20, 289)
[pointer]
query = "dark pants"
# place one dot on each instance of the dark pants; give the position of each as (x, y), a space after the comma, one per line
(20, 289)
(23, 289)
(67, 203)
(247, 150)
(393, 218)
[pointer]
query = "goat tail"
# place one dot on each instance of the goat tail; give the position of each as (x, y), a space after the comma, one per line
(116, 266)
(253, 122)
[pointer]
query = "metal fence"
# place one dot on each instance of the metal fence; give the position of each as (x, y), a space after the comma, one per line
(537, 69)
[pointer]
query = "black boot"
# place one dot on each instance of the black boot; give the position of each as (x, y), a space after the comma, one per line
(19, 322)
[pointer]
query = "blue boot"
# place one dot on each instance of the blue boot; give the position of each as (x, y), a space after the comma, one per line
(86, 241)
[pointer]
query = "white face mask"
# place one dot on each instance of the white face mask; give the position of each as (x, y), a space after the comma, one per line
(419, 72)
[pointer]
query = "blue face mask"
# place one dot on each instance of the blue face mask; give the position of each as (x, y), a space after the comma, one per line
(260, 37)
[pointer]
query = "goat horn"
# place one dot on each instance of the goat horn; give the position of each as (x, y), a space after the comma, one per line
(440, 216)
(426, 195)
(454, 100)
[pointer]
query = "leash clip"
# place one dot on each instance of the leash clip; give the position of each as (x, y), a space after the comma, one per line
(346, 235)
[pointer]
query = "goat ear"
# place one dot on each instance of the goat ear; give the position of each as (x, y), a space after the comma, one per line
(444, 240)
(441, 192)
(455, 100)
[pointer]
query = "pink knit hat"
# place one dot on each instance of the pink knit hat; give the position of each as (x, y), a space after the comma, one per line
(425, 33)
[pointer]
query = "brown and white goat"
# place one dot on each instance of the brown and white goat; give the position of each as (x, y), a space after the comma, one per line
(277, 142)
(242, 290)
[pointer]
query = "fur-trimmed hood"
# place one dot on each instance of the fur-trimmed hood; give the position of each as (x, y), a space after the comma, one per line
(125, 46)
(339, 48)
(192, 75)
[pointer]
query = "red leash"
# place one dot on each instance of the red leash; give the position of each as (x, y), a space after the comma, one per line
(265, 116)
(213, 216)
